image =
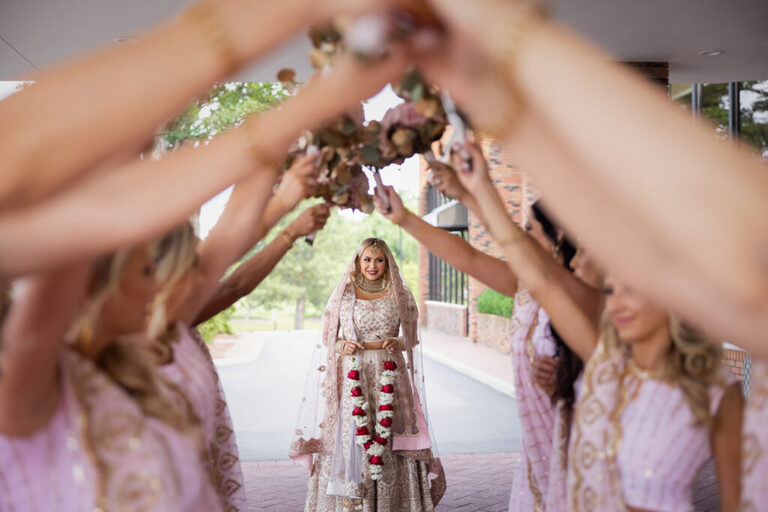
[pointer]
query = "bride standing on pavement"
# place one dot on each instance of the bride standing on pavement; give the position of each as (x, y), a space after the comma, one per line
(363, 424)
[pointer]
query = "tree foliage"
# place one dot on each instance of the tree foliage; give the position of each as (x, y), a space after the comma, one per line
(306, 273)
(225, 106)
(313, 271)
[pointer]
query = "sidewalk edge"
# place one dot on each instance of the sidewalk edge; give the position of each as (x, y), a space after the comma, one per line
(496, 383)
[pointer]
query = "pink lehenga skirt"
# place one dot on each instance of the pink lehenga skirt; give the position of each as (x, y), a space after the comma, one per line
(404, 485)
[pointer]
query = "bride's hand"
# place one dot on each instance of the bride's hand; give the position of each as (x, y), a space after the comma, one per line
(390, 345)
(351, 347)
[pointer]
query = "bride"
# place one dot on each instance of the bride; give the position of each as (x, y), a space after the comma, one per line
(362, 426)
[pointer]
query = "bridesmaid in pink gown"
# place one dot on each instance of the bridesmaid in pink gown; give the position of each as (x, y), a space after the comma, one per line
(97, 428)
(654, 400)
(532, 336)
(754, 448)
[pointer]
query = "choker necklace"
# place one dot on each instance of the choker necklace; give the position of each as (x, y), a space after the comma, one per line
(372, 287)
(641, 373)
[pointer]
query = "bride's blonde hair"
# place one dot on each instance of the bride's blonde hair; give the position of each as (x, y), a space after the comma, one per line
(371, 242)
(692, 362)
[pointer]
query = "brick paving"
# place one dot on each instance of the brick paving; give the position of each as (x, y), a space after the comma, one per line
(476, 483)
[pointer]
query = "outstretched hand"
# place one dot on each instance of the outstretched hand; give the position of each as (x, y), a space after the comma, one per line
(299, 182)
(392, 209)
(472, 169)
(443, 177)
(310, 220)
(464, 60)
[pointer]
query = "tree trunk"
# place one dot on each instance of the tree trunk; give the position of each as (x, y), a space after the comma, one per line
(298, 322)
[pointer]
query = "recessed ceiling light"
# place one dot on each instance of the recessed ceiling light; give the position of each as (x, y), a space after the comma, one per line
(711, 53)
(125, 40)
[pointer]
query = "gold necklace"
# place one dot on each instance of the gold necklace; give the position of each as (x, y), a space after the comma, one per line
(369, 287)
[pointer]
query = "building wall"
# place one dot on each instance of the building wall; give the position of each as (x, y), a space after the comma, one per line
(733, 359)
(444, 317)
(517, 194)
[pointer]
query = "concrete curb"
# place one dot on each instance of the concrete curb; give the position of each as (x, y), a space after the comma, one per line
(244, 351)
(499, 385)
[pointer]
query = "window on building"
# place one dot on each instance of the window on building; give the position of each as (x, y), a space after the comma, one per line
(446, 284)
(754, 114)
(715, 107)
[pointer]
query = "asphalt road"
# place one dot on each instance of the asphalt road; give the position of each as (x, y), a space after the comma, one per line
(264, 395)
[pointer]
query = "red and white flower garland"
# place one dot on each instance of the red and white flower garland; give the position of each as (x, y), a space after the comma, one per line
(373, 446)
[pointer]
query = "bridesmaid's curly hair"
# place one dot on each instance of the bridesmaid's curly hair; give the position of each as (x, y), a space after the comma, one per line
(692, 362)
(129, 367)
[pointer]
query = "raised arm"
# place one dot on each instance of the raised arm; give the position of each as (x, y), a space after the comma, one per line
(538, 272)
(454, 250)
(663, 195)
(443, 177)
(144, 199)
(253, 271)
(33, 334)
(42, 153)
(726, 447)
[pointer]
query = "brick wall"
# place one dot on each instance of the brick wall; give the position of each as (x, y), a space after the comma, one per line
(494, 331)
(517, 193)
(444, 317)
(733, 359)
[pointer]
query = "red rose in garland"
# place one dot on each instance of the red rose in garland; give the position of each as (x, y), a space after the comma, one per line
(363, 431)
(356, 391)
(354, 375)
(376, 460)
(358, 411)
(386, 422)
(390, 365)
(381, 440)
(386, 407)
(387, 388)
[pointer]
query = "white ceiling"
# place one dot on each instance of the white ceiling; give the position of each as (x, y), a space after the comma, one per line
(37, 33)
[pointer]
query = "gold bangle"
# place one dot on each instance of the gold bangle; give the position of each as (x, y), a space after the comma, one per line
(287, 238)
(400, 217)
(520, 18)
(207, 18)
(511, 239)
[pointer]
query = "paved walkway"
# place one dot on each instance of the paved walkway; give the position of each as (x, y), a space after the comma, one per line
(476, 482)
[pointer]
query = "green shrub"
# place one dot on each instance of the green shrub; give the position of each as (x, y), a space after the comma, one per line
(495, 303)
(219, 324)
